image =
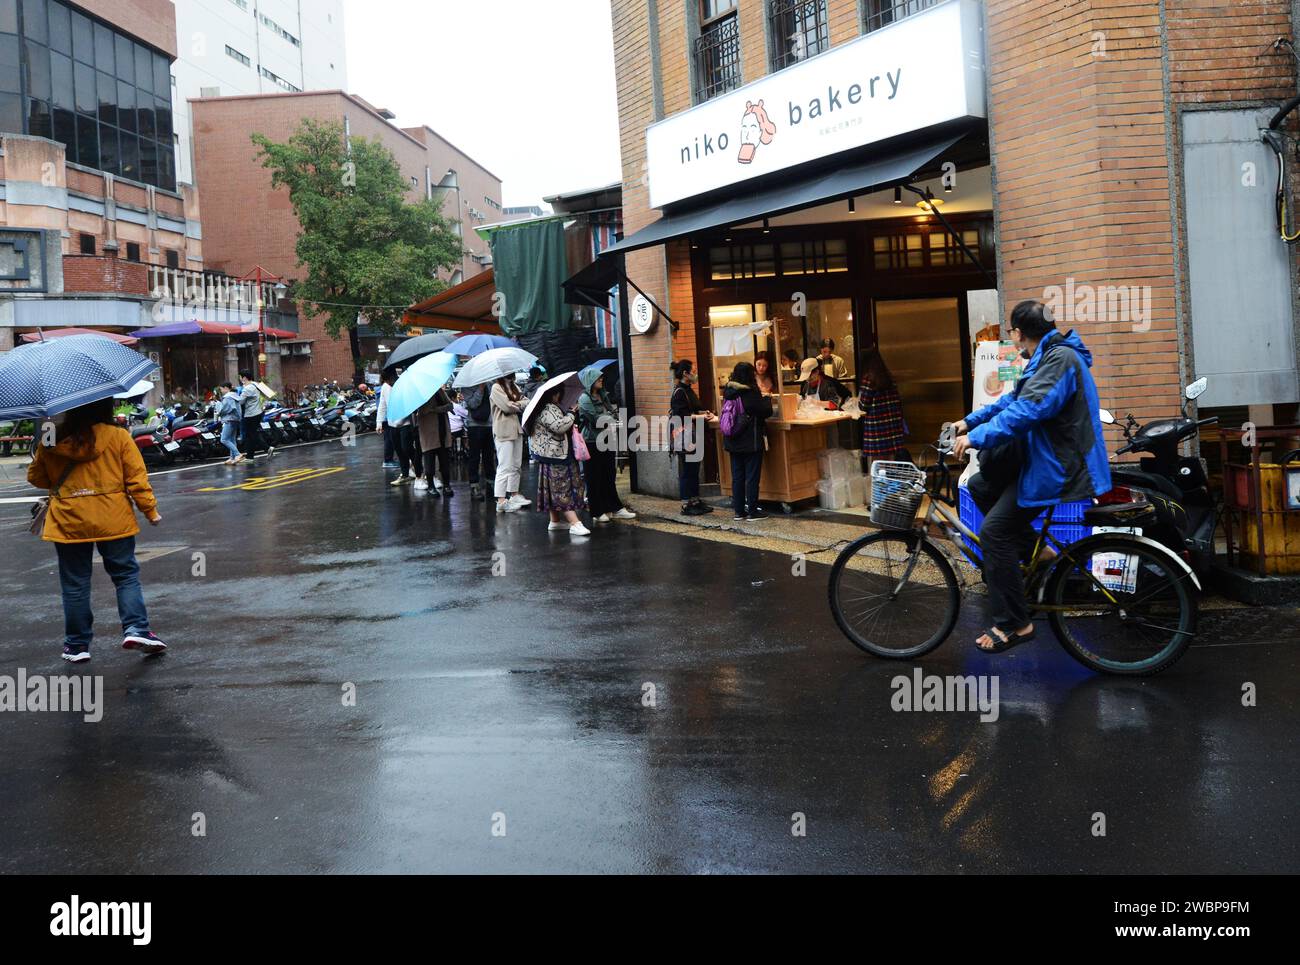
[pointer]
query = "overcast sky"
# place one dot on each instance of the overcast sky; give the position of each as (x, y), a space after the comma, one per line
(525, 87)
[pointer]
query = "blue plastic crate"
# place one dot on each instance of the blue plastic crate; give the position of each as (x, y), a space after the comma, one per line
(1067, 521)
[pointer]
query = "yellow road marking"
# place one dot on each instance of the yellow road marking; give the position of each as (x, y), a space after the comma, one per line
(290, 477)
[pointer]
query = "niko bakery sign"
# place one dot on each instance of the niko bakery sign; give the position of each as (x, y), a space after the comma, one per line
(911, 75)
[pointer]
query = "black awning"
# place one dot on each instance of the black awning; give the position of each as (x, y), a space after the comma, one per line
(879, 171)
(591, 285)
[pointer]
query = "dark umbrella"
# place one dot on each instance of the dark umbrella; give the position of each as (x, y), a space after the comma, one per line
(418, 347)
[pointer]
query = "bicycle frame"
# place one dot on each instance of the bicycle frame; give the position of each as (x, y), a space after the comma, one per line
(940, 513)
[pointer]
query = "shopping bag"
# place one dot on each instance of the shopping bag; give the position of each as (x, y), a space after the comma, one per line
(580, 451)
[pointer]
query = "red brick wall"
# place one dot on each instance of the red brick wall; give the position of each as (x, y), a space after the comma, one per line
(99, 273)
(1082, 176)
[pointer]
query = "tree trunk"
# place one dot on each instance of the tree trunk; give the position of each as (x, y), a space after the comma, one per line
(354, 341)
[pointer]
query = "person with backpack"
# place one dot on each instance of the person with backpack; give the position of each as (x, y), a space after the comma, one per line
(250, 396)
(1040, 445)
(601, 470)
(96, 479)
(482, 450)
(745, 411)
(687, 427)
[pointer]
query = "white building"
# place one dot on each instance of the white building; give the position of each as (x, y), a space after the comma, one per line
(229, 47)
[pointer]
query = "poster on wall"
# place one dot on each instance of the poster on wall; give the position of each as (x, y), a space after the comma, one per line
(998, 366)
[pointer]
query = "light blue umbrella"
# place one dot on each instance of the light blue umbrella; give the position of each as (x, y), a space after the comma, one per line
(45, 378)
(418, 384)
(476, 343)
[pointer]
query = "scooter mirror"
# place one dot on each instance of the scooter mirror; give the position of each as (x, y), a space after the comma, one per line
(1197, 388)
(1107, 417)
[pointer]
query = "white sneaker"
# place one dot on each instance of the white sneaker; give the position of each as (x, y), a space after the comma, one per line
(558, 527)
(577, 529)
(420, 485)
(400, 481)
(519, 500)
(509, 507)
(624, 513)
(602, 518)
(501, 507)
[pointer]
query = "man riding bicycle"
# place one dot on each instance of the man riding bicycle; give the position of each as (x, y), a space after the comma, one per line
(1040, 445)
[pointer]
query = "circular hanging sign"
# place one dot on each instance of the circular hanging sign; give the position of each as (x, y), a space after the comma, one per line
(643, 315)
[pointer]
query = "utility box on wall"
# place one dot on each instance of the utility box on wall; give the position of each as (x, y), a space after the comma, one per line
(1240, 271)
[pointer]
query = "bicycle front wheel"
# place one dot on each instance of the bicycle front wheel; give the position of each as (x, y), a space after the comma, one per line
(1121, 607)
(894, 594)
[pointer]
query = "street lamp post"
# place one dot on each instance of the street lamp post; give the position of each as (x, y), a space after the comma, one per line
(260, 275)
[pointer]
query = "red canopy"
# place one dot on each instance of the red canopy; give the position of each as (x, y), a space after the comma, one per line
(63, 332)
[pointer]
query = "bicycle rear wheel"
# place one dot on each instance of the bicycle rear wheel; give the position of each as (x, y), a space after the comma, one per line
(894, 594)
(1121, 607)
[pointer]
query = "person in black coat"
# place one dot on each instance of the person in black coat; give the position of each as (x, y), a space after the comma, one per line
(747, 445)
(687, 441)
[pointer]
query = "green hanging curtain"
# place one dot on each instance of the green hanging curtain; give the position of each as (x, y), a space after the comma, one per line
(531, 267)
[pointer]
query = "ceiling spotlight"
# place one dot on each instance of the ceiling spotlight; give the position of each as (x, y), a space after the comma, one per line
(767, 228)
(929, 204)
(898, 194)
(853, 205)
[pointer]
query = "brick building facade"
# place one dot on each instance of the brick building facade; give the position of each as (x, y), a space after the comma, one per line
(234, 183)
(1084, 134)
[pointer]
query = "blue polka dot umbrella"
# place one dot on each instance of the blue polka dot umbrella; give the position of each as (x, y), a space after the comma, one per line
(45, 378)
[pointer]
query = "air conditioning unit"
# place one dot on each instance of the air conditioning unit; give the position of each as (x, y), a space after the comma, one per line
(209, 91)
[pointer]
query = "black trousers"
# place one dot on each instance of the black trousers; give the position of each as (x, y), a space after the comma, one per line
(482, 451)
(601, 473)
(390, 445)
(1006, 537)
(746, 471)
(442, 457)
(252, 437)
(408, 451)
(688, 477)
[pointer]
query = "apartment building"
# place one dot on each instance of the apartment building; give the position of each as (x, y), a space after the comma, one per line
(234, 183)
(234, 47)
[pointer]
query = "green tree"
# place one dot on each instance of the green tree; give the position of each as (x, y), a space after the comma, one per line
(367, 247)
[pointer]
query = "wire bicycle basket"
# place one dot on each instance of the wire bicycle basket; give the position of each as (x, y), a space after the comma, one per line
(897, 489)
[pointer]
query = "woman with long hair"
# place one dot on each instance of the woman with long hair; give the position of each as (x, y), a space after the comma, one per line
(747, 441)
(94, 474)
(768, 379)
(559, 480)
(883, 428)
(507, 403)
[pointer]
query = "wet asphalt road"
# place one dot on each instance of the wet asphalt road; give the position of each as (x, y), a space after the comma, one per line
(517, 699)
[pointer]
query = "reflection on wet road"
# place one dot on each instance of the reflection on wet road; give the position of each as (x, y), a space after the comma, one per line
(635, 701)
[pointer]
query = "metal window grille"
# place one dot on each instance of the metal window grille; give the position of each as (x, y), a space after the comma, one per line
(881, 13)
(798, 30)
(717, 58)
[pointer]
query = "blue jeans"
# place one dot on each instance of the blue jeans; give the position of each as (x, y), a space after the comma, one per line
(230, 437)
(76, 563)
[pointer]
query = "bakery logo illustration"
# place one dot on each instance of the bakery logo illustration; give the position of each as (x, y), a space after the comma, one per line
(755, 128)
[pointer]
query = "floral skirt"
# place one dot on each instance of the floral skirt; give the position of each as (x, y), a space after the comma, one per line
(559, 488)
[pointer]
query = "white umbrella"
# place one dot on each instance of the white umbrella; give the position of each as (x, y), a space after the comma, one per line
(143, 387)
(494, 364)
(573, 389)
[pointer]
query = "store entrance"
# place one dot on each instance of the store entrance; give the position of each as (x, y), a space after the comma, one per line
(925, 345)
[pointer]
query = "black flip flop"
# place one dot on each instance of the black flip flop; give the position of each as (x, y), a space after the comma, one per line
(1000, 645)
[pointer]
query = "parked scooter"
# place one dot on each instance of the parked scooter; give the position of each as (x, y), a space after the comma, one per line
(1176, 486)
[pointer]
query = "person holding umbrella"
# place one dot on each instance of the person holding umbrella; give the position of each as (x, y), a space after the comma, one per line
(93, 472)
(559, 481)
(600, 471)
(433, 425)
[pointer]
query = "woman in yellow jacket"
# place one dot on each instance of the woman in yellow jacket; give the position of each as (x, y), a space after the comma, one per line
(94, 473)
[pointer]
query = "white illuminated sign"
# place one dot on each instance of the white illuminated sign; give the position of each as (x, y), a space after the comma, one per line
(919, 72)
